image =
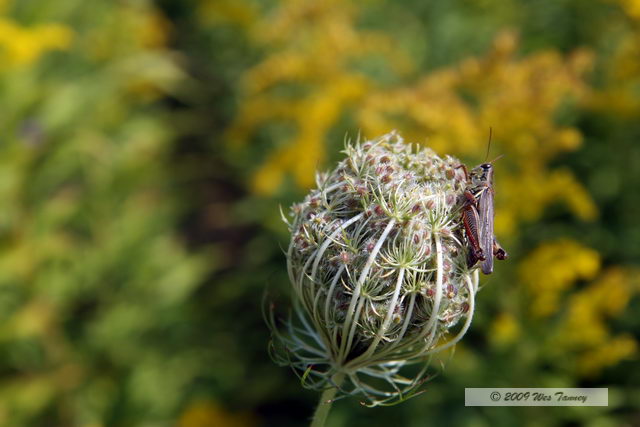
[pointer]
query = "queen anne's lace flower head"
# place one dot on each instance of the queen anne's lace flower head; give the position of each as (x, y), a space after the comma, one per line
(378, 264)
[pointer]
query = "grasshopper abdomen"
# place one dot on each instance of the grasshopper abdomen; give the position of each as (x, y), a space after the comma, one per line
(478, 218)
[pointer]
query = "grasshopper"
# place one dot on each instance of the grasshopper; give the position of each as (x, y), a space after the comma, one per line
(477, 216)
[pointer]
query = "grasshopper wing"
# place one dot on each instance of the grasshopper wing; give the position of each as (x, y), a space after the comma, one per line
(485, 208)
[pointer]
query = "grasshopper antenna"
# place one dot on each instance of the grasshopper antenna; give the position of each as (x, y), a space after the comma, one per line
(489, 148)
(497, 158)
(488, 144)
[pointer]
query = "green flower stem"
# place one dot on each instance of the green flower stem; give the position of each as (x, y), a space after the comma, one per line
(326, 400)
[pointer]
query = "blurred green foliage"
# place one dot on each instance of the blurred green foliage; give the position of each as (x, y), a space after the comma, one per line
(95, 284)
(140, 192)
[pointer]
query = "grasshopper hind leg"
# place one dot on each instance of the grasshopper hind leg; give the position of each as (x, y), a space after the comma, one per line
(473, 256)
(498, 251)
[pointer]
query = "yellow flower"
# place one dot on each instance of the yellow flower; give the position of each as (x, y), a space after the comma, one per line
(551, 269)
(631, 7)
(153, 29)
(583, 328)
(208, 413)
(308, 83)
(451, 110)
(505, 329)
(22, 46)
(621, 75)
(227, 11)
(619, 348)
(314, 47)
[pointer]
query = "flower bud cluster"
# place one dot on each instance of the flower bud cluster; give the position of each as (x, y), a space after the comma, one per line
(377, 260)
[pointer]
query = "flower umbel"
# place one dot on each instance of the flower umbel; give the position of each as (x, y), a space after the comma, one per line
(378, 264)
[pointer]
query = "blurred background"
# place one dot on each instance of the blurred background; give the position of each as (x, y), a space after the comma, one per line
(147, 146)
